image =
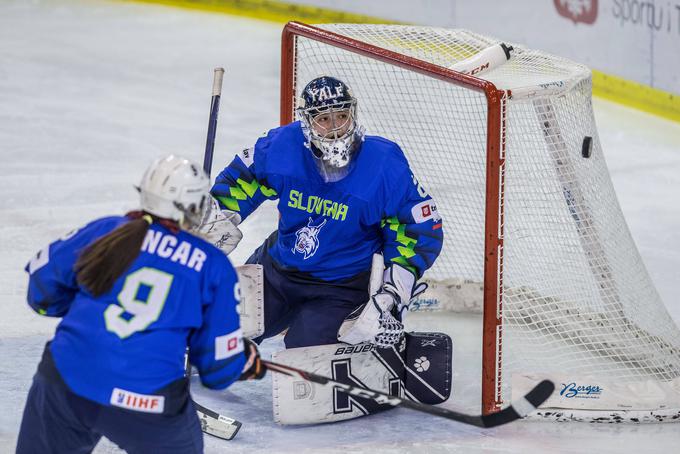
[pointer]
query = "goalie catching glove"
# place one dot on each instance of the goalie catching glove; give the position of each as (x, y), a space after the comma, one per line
(220, 227)
(379, 321)
(253, 369)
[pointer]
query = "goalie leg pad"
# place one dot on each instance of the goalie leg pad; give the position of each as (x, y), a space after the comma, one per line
(251, 306)
(301, 402)
(419, 368)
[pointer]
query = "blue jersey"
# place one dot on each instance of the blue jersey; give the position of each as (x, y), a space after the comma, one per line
(180, 291)
(331, 230)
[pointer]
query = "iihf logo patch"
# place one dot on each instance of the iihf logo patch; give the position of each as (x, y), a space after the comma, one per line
(307, 239)
(138, 402)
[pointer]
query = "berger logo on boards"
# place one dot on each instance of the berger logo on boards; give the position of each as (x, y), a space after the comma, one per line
(584, 11)
(580, 391)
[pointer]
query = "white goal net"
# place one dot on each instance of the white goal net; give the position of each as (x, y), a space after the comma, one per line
(533, 230)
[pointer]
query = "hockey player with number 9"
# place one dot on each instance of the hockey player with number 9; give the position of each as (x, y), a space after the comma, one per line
(134, 292)
(342, 196)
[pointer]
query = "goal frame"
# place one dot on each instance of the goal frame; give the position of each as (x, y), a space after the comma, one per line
(494, 185)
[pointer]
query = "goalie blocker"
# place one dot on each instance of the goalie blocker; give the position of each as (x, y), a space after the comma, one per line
(418, 368)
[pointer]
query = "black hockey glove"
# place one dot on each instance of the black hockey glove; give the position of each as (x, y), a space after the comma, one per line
(253, 369)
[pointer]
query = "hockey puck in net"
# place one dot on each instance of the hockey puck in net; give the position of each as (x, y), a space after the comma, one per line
(587, 147)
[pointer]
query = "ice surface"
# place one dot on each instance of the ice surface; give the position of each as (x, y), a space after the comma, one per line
(92, 91)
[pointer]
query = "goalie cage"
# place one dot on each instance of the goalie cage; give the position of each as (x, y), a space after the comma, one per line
(533, 230)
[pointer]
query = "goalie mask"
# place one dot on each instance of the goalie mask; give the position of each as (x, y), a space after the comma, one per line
(175, 188)
(328, 112)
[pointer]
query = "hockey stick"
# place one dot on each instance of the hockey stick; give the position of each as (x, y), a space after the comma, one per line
(213, 423)
(212, 121)
(516, 410)
(216, 424)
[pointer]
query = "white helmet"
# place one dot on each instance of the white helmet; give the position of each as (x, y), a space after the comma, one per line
(175, 188)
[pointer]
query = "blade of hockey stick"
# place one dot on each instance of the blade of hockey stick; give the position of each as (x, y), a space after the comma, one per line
(216, 424)
(515, 411)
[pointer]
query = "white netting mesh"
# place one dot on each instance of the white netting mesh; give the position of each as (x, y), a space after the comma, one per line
(576, 295)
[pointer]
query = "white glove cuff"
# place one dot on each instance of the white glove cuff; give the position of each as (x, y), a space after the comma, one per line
(400, 281)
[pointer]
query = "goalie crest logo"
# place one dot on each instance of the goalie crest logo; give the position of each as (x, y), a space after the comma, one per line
(307, 239)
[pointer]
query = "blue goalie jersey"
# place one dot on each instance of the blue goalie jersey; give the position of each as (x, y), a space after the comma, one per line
(331, 230)
(180, 291)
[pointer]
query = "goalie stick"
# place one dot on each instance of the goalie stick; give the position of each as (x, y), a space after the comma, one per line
(518, 409)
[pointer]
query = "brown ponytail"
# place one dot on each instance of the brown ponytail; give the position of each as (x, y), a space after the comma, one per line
(103, 261)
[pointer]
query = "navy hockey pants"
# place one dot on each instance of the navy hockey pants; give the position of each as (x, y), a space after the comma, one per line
(311, 309)
(58, 421)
